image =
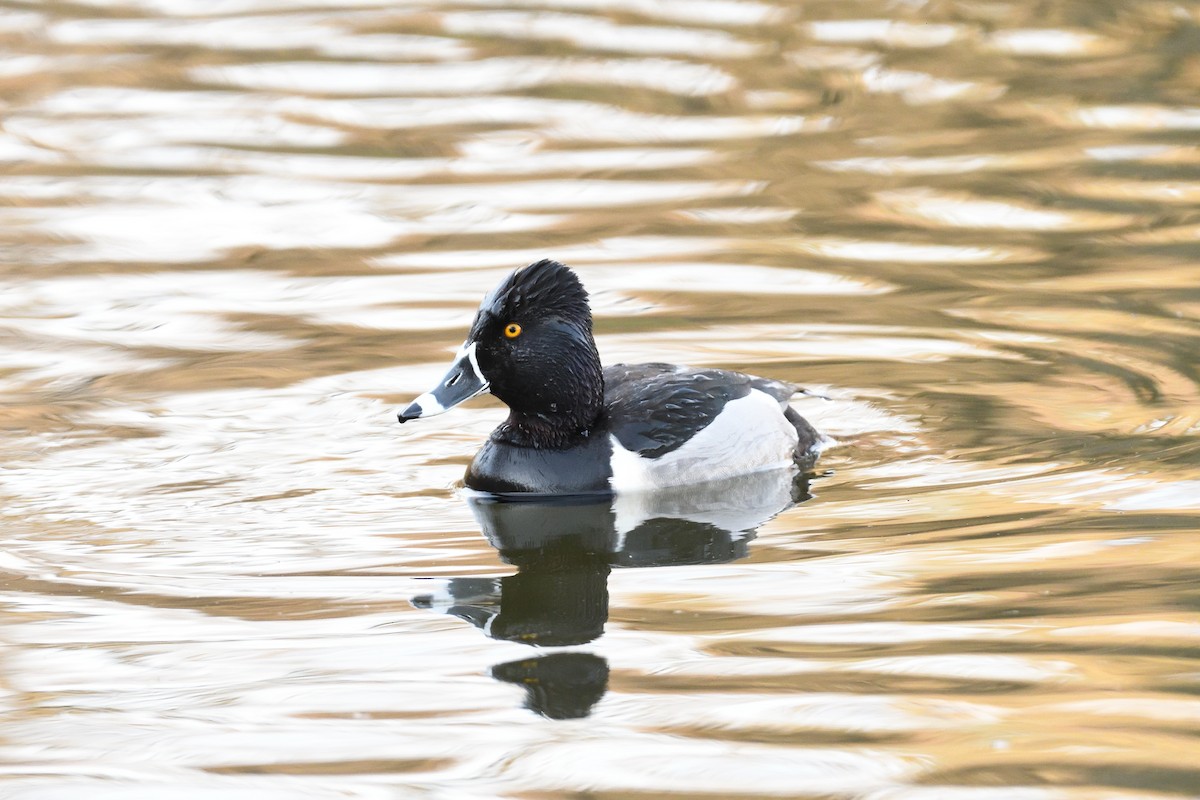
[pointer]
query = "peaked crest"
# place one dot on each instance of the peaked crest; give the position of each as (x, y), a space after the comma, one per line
(546, 287)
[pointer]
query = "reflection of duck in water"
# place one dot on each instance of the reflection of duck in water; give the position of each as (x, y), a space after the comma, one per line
(564, 549)
(574, 427)
(560, 685)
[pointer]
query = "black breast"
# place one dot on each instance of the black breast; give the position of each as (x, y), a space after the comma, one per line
(501, 467)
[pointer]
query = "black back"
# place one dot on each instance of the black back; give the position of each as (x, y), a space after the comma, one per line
(653, 409)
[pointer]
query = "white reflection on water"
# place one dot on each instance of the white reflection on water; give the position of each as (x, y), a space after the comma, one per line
(1145, 152)
(606, 250)
(601, 763)
(552, 119)
(38, 365)
(599, 34)
(835, 58)
(1170, 191)
(669, 277)
(910, 253)
(920, 88)
(194, 232)
(961, 164)
(18, 66)
(182, 311)
(925, 206)
(20, 21)
(889, 33)
(273, 192)
(1145, 117)
(111, 133)
(331, 34)
(710, 12)
(815, 711)
(975, 666)
(204, 8)
(689, 12)
(491, 75)
(979, 666)
(763, 344)
(1161, 496)
(520, 161)
(1053, 43)
(16, 150)
(194, 219)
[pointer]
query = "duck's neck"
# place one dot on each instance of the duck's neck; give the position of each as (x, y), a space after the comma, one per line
(541, 433)
(563, 412)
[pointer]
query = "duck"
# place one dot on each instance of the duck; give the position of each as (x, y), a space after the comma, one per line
(575, 427)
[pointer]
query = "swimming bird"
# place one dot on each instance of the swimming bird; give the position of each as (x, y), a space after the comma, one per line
(575, 427)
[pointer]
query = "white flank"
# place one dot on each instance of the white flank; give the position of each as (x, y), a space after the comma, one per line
(749, 435)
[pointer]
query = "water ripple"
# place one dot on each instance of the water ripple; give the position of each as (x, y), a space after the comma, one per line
(237, 233)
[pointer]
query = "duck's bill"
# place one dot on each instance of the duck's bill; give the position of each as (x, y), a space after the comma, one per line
(460, 383)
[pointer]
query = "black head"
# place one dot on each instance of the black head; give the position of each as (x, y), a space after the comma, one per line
(546, 289)
(531, 345)
(533, 342)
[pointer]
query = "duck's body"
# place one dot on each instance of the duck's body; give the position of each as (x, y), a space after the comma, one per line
(575, 428)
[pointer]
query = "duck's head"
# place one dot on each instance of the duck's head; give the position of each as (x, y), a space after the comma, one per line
(531, 345)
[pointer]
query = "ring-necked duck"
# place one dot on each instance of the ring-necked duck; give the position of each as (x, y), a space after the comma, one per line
(576, 428)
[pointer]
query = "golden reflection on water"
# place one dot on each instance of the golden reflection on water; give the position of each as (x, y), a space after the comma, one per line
(237, 234)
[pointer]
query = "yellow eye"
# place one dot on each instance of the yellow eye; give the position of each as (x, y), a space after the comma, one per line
(513, 330)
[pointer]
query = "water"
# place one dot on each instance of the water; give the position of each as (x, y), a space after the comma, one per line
(237, 235)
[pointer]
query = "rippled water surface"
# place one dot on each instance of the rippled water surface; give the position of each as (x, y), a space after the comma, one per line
(237, 234)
